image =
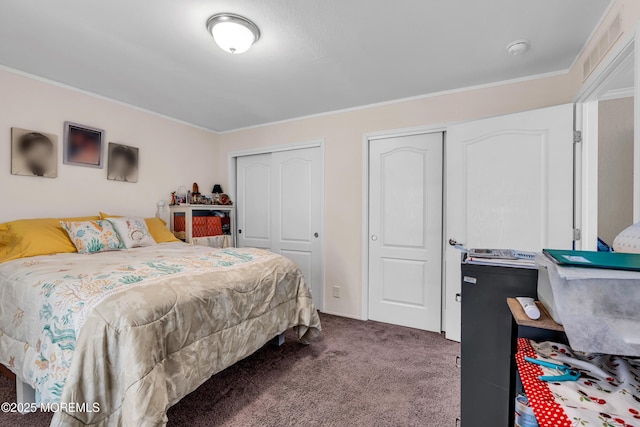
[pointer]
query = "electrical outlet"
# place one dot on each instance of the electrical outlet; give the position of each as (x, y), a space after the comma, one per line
(336, 291)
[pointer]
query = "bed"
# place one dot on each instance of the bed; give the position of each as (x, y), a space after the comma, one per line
(134, 331)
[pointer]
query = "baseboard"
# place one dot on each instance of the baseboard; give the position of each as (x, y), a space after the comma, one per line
(349, 316)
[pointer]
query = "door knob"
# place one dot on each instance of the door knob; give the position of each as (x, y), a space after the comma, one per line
(315, 235)
(454, 242)
(374, 237)
(239, 231)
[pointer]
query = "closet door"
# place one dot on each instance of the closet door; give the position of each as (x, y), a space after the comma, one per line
(254, 189)
(405, 231)
(279, 207)
(297, 212)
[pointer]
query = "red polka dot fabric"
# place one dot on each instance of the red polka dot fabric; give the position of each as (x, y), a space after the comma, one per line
(548, 412)
(607, 393)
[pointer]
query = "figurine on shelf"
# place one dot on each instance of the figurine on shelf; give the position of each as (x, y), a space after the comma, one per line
(217, 190)
(173, 198)
(195, 194)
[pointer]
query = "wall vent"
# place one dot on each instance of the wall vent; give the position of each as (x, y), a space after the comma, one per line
(602, 47)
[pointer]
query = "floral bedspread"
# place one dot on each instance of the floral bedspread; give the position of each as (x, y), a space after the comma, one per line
(46, 300)
(607, 394)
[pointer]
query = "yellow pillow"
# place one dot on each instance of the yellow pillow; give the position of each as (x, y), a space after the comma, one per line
(5, 240)
(32, 237)
(157, 227)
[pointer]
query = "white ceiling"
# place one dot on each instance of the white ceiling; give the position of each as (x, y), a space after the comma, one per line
(313, 56)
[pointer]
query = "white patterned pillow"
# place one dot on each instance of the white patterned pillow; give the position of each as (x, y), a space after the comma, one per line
(628, 241)
(133, 232)
(90, 237)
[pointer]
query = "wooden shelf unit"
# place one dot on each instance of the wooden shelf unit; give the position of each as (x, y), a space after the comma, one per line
(544, 322)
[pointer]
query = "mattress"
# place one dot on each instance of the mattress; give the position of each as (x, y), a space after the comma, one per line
(134, 331)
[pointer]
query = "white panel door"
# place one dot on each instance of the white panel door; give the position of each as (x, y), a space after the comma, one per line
(297, 212)
(253, 203)
(405, 231)
(279, 208)
(509, 185)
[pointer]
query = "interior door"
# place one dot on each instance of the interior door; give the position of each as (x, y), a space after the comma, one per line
(405, 231)
(509, 185)
(297, 212)
(279, 207)
(253, 203)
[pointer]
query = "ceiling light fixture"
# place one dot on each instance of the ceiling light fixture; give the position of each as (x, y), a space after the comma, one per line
(233, 33)
(517, 47)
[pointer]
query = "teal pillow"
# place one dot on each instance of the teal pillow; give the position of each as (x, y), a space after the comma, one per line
(90, 237)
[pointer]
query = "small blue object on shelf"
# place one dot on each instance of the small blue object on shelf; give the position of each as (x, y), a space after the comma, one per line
(603, 247)
(567, 374)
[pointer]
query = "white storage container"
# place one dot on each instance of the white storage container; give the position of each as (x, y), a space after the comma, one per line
(545, 294)
(599, 308)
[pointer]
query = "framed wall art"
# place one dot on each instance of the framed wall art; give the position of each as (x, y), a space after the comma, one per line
(122, 163)
(34, 153)
(83, 145)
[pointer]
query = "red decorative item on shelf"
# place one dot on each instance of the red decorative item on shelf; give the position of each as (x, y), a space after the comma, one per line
(199, 226)
(214, 226)
(207, 226)
(179, 223)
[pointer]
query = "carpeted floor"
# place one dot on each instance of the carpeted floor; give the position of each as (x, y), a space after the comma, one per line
(356, 374)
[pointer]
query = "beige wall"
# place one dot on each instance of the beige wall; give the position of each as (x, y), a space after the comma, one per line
(343, 133)
(615, 167)
(171, 154)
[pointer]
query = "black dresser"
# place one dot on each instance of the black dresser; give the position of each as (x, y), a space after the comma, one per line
(488, 370)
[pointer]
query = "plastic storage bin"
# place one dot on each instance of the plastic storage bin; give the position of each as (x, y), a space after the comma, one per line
(598, 308)
(545, 294)
(206, 226)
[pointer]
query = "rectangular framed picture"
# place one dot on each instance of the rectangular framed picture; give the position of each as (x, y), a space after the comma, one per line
(123, 163)
(34, 153)
(83, 145)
